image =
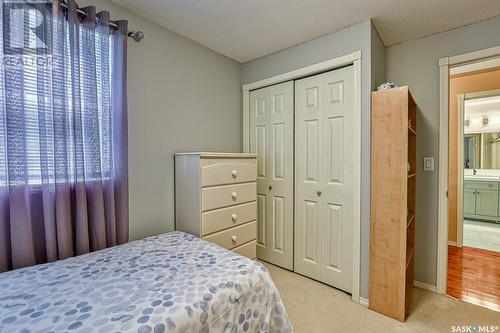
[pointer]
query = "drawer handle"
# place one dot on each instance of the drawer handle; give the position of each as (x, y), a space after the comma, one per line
(234, 217)
(234, 195)
(234, 173)
(234, 238)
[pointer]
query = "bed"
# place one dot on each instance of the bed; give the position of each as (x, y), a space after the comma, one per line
(173, 282)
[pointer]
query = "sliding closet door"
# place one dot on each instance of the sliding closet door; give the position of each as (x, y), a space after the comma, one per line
(324, 184)
(271, 137)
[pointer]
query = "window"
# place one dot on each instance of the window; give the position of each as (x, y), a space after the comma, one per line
(56, 125)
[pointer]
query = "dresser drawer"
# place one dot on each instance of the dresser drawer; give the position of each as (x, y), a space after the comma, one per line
(234, 237)
(229, 195)
(248, 250)
(221, 173)
(224, 218)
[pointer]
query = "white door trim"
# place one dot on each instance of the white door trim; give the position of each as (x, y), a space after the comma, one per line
(442, 250)
(444, 95)
(475, 66)
(473, 56)
(460, 170)
(349, 59)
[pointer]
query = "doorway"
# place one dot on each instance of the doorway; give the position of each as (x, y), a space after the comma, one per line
(472, 263)
(478, 211)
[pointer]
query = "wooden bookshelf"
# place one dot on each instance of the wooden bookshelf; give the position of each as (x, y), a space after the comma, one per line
(393, 185)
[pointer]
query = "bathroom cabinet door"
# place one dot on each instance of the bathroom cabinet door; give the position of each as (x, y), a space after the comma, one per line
(487, 202)
(469, 202)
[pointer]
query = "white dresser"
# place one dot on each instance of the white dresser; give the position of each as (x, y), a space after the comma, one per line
(215, 199)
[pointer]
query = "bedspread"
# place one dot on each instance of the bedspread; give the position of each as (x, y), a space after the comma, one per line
(173, 282)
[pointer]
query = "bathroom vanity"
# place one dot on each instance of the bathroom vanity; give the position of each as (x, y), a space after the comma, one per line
(481, 198)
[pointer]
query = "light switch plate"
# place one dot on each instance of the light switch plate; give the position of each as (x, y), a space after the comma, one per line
(428, 163)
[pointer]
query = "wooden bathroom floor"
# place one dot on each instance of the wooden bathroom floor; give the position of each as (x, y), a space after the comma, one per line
(474, 276)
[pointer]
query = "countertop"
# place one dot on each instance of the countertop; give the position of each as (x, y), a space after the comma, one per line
(480, 178)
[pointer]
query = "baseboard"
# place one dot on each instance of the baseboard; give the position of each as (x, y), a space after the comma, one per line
(425, 286)
(418, 284)
(452, 243)
(363, 301)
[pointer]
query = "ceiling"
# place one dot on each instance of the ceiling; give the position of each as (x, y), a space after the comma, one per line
(248, 29)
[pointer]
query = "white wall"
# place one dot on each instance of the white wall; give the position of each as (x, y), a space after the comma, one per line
(415, 63)
(377, 77)
(181, 97)
(354, 38)
(378, 59)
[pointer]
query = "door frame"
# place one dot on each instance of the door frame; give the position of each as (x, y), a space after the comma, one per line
(460, 170)
(346, 60)
(445, 64)
(462, 98)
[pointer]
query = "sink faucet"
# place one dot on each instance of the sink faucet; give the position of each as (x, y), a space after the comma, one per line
(474, 172)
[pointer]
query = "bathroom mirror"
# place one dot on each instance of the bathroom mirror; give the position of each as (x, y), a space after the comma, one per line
(472, 151)
(491, 151)
(482, 133)
(482, 150)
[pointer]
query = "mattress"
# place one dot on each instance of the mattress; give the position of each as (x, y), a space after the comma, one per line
(173, 282)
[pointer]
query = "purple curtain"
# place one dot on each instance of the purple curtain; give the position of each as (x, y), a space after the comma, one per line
(63, 142)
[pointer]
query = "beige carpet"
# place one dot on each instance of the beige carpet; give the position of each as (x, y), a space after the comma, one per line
(315, 307)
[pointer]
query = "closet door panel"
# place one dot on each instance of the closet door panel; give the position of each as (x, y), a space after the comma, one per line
(278, 214)
(324, 191)
(259, 129)
(308, 177)
(275, 174)
(259, 133)
(280, 185)
(259, 144)
(338, 181)
(333, 238)
(261, 220)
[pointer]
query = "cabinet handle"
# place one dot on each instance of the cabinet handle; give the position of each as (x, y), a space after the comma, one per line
(234, 195)
(270, 187)
(234, 173)
(234, 217)
(318, 193)
(234, 238)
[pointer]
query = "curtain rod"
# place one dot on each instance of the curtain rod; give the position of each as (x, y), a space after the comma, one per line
(135, 35)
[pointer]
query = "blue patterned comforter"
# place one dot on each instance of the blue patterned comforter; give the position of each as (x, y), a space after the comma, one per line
(173, 282)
